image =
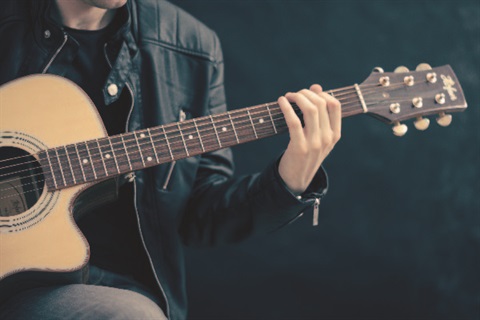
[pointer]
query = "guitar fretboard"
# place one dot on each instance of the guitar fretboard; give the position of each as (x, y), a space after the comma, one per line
(108, 157)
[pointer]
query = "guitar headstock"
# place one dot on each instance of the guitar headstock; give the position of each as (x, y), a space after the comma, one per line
(401, 95)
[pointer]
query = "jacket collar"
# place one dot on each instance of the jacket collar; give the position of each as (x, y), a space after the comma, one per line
(48, 28)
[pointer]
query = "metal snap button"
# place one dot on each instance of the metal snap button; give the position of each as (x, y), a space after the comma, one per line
(112, 89)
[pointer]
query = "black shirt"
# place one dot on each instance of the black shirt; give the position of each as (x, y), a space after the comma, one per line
(112, 229)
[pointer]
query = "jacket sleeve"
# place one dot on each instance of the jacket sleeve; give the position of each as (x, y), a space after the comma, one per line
(223, 208)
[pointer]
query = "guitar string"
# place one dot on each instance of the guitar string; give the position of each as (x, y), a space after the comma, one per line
(344, 108)
(42, 180)
(94, 153)
(207, 124)
(209, 127)
(175, 147)
(354, 95)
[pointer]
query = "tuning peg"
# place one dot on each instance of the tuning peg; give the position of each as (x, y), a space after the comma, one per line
(421, 123)
(399, 129)
(423, 67)
(443, 119)
(440, 98)
(378, 69)
(401, 69)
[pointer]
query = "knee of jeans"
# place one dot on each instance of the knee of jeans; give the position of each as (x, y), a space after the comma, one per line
(134, 306)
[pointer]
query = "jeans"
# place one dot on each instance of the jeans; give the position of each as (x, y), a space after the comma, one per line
(106, 296)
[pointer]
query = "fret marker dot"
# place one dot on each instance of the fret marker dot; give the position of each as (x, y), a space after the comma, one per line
(85, 161)
(149, 159)
(108, 156)
(261, 120)
(224, 129)
(142, 135)
(190, 136)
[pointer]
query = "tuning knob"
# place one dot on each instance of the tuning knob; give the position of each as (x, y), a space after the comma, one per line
(423, 67)
(443, 119)
(378, 69)
(399, 129)
(401, 69)
(421, 123)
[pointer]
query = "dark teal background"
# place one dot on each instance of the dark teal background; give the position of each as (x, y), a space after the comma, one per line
(399, 233)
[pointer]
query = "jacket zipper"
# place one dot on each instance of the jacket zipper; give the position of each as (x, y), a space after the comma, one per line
(108, 61)
(138, 216)
(65, 38)
(315, 211)
(181, 117)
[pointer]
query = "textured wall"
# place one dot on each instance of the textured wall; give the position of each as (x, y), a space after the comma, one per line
(399, 232)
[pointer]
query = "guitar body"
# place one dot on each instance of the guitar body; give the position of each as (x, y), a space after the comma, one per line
(40, 112)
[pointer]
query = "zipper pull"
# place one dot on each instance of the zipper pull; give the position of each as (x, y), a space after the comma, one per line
(182, 116)
(315, 211)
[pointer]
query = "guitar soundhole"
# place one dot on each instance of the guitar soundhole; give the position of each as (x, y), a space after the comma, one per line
(21, 181)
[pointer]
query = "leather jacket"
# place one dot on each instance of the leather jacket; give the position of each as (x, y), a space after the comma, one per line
(172, 67)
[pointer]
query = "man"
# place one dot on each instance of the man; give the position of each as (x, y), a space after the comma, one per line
(146, 63)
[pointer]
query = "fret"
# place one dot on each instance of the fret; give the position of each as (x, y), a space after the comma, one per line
(243, 125)
(96, 158)
(176, 142)
(157, 139)
(183, 138)
(61, 169)
(153, 145)
(51, 170)
(120, 153)
(85, 163)
(281, 124)
(133, 150)
(260, 118)
(70, 165)
(114, 155)
(108, 156)
(233, 127)
(253, 126)
(146, 150)
(139, 149)
(168, 143)
(80, 163)
(100, 154)
(216, 133)
(67, 153)
(91, 162)
(330, 92)
(191, 137)
(271, 119)
(126, 152)
(198, 134)
(225, 132)
(65, 166)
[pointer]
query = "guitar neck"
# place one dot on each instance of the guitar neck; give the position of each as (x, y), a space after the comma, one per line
(108, 157)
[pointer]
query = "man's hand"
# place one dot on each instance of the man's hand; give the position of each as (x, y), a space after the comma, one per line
(309, 145)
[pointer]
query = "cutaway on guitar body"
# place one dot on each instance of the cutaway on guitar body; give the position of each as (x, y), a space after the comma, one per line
(38, 234)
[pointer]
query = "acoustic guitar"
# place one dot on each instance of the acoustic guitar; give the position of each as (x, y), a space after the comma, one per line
(54, 148)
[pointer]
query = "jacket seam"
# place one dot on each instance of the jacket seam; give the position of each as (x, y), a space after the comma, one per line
(198, 54)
